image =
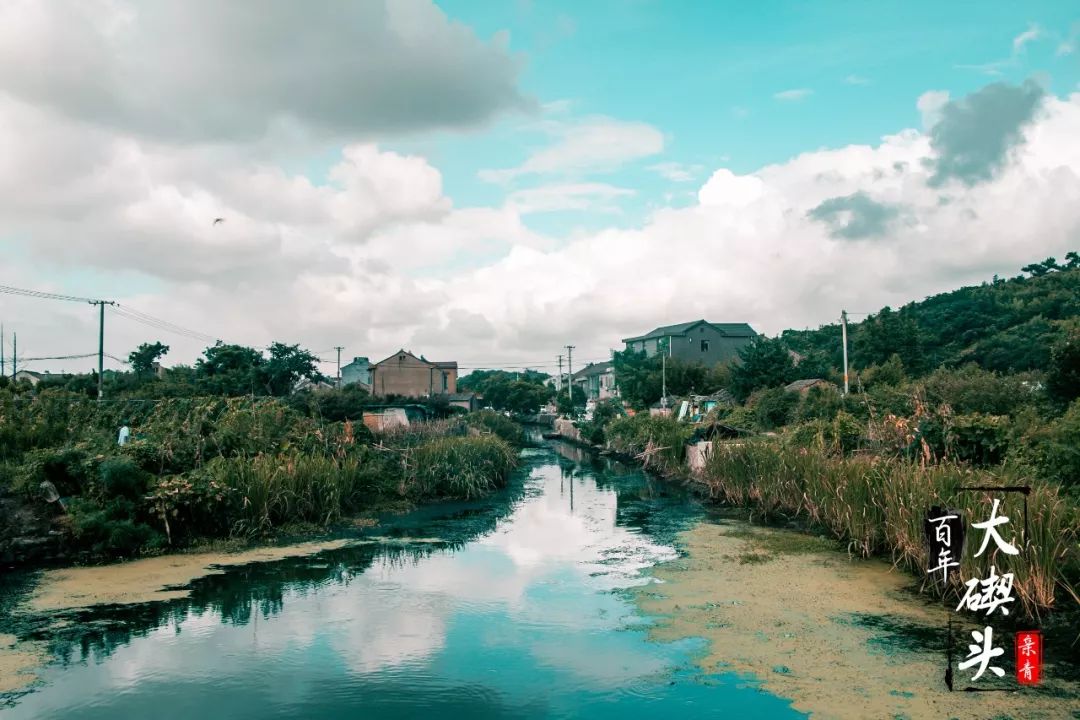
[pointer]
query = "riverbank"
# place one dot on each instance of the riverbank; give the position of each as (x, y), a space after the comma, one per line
(842, 638)
(212, 468)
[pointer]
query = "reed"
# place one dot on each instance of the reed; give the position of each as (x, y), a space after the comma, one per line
(877, 506)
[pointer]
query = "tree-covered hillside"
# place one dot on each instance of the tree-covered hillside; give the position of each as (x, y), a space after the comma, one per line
(1002, 325)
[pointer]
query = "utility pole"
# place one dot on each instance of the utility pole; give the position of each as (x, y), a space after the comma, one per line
(14, 354)
(339, 349)
(843, 329)
(1, 350)
(570, 376)
(558, 383)
(101, 346)
(663, 372)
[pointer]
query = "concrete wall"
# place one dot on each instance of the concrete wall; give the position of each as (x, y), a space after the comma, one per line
(566, 428)
(697, 454)
(721, 348)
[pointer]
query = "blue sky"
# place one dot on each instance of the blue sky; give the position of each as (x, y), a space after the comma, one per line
(706, 74)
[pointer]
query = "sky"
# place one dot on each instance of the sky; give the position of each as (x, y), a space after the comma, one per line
(490, 182)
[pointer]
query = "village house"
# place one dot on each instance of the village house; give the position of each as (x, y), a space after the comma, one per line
(698, 341)
(410, 376)
(358, 372)
(596, 381)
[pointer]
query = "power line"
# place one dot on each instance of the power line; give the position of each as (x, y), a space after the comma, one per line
(159, 324)
(43, 295)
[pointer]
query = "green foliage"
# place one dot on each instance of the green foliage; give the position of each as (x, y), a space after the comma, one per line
(112, 529)
(891, 372)
(773, 408)
(641, 379)
(838, 436)
(562, 402)
(878, 505)
(142, 358)
(460, 467)
(337, 405)
(977, 438)
(971, 389)
(819, 403)
(520, 393)
(765, 363)
(1055, 450)
(498, 425)
(593, 430)
(659, 440)
(122, 477)
(1063, 374)
(888, 333)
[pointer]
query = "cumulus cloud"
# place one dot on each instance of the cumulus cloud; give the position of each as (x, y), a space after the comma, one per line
(376, 255)
(598, 144)
(856, 216)
(202, 70)
(930, 104)
(975, 134)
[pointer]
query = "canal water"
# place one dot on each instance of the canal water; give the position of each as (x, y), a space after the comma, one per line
(515, 607)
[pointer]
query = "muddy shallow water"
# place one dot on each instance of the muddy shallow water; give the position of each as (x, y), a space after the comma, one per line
(585, 589)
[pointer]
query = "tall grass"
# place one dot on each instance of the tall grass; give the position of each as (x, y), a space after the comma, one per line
(877, 505)
(659, 442)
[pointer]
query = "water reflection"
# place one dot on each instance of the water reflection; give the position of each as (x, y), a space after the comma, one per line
(509, 614)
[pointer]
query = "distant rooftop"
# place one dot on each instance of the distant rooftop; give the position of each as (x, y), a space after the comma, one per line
(680, 329)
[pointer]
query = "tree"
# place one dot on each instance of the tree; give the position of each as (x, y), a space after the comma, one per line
(286, 366)
(230, 370)
(521, 393)
(1063, 374)
(142, 358)
(765, 363)
(638, 377)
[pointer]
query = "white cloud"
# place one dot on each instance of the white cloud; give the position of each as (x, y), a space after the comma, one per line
(676, 172)
(206, 71)
(930, 104)
(598, 144)
(794, 94)
(568, 196)
(379, 257)
(1034, 32)
(856, 80)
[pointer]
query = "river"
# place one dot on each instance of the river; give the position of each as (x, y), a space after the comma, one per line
(526, 604)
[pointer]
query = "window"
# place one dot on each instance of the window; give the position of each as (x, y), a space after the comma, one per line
(704, 346)
(444, 376)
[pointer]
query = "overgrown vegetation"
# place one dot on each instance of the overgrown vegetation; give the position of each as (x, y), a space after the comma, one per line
(218, 466)
(877, 505)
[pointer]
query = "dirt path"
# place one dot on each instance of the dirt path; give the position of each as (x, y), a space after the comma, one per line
(841, 639)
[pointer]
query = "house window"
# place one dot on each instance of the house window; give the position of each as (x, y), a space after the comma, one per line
(444, 376)
(704, 346)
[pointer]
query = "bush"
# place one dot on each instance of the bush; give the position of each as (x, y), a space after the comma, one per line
(819, 403)
(662, 439)
(460, 467)
(121, 477)
(498, 425)
(111, 529)
(978, 439)
(773, 408)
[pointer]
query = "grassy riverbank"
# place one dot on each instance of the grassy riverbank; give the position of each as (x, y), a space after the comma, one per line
(199, 468)
(874, 502)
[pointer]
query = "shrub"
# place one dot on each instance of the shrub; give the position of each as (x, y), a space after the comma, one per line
(497, 424)
(660, 440)
(110, 529)
(773, 408)
(121, 477)
(459, 467)
(819, 403)
(978, 439)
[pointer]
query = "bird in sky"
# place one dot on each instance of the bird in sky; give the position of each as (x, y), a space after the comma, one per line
(218, 220)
